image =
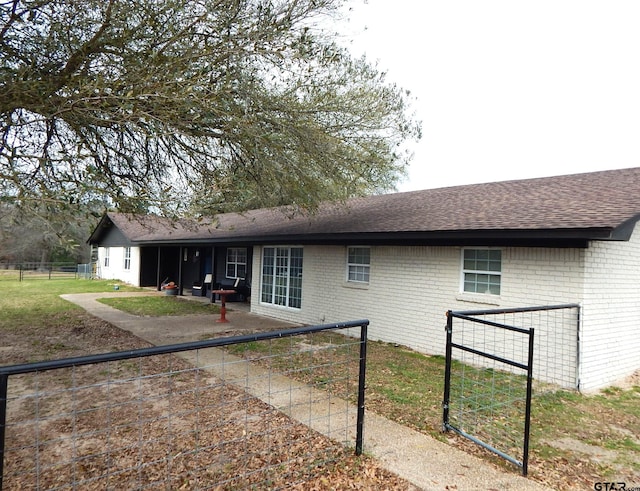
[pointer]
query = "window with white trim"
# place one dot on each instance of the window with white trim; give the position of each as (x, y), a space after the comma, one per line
(127, 258)
(106, 257)
(236, 262)
(481, 271)
(358, 264)
(281, 279)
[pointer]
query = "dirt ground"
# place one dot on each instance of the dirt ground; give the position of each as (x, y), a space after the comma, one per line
(139, 430)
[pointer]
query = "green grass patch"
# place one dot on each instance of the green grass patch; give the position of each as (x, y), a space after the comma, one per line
(261, 348)
(155, 306)
(26, 303)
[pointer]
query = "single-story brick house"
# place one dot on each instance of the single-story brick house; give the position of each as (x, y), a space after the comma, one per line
(402, 260)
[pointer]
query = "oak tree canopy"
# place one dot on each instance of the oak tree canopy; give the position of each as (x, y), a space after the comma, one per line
(191, 106)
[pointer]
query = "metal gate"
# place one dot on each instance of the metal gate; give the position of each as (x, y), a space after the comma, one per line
(176, 415)
(489, 372)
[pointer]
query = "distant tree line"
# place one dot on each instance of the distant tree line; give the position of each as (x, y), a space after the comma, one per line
(43, 237)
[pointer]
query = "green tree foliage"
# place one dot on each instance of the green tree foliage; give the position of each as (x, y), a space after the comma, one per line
(211, 105)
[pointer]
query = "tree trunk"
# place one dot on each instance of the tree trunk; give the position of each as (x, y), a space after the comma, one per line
(44, 256)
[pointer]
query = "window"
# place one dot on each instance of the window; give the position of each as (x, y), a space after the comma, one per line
(127, 258)
(282, 276)
(236, 262)
(358, 264)
(481, 270)
(106, 257)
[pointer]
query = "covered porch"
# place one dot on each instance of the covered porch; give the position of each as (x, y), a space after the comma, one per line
(198, 269)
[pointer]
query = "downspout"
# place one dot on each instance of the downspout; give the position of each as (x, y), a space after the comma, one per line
(579, 349)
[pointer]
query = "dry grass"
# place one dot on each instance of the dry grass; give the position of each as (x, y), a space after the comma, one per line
(159, 423)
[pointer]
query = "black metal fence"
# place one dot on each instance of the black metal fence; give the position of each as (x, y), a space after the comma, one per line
(493, 364)
(192, 415)
(47, 271)
(41, 270)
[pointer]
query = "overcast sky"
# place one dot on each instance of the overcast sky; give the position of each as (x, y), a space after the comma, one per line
(510, 89)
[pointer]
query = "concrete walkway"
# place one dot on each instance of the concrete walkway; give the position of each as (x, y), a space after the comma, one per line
(427, 463)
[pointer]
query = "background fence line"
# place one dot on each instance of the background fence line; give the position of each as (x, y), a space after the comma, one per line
(47, 270)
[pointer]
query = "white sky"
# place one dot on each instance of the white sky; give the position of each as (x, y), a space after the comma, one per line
(510, 89)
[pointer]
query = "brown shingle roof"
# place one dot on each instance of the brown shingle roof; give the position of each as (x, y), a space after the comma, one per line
(584, 206)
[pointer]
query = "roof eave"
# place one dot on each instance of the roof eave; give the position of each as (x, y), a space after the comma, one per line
(517, 238)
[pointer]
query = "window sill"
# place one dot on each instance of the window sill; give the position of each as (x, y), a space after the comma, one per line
(280, 307)
(479, 298)
(356, 286)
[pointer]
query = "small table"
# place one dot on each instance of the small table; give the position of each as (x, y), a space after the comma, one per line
(223, 298)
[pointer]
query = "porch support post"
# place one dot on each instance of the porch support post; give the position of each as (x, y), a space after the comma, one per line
(180, 261)
(158, 280)
(213, 272)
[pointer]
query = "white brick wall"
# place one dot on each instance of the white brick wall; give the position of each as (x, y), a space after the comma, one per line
(411, 288)
(611, 314)
(115, 270)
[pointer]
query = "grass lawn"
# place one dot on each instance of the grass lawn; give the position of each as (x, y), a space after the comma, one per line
(160, 306)
(31, 302)
(576, 440)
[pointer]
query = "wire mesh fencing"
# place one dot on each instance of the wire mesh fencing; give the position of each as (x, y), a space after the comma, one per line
(556, 351)
(496, 361)
(259, 411)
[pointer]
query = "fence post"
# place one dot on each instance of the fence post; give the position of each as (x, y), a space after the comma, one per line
(4, 382)
(361, 389)
(527, 416)
(447, 373)
(578, 355)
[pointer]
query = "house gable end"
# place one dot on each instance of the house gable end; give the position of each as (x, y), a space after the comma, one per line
(114, 238)
(107, 234)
